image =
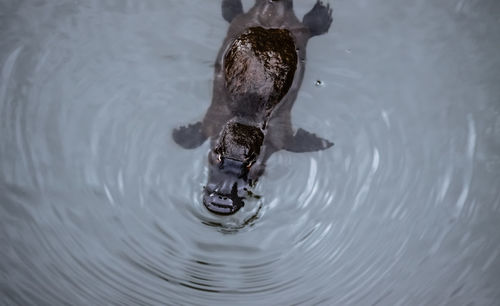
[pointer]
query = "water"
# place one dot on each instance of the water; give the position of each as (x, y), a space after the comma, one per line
(100, 207)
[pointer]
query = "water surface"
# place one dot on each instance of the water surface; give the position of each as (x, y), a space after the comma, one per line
(98, 205)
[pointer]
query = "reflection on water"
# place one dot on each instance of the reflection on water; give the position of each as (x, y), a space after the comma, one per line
(98, 205)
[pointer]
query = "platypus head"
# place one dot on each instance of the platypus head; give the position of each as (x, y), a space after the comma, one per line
(232, 167)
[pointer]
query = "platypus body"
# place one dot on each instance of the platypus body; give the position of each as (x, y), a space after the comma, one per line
(258, 72)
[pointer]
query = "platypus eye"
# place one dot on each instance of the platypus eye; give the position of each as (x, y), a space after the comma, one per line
(215, 158)
(250, 164)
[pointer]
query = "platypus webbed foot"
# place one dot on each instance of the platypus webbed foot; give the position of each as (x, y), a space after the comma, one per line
(318, 19)
(231, 9)
(303, 141)
(189, 137)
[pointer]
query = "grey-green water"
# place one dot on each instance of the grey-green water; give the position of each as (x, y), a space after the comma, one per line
(98, 206)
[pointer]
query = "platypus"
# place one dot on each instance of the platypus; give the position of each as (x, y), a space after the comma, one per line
(258, 72)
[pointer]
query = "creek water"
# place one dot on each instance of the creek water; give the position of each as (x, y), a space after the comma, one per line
(98, 205)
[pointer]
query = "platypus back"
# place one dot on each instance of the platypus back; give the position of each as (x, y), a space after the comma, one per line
(259, 68)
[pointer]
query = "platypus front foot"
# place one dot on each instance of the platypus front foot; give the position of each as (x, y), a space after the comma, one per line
(303, 141)
(189, 137)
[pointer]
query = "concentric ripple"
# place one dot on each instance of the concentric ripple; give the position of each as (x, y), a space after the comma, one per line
(98, 206)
